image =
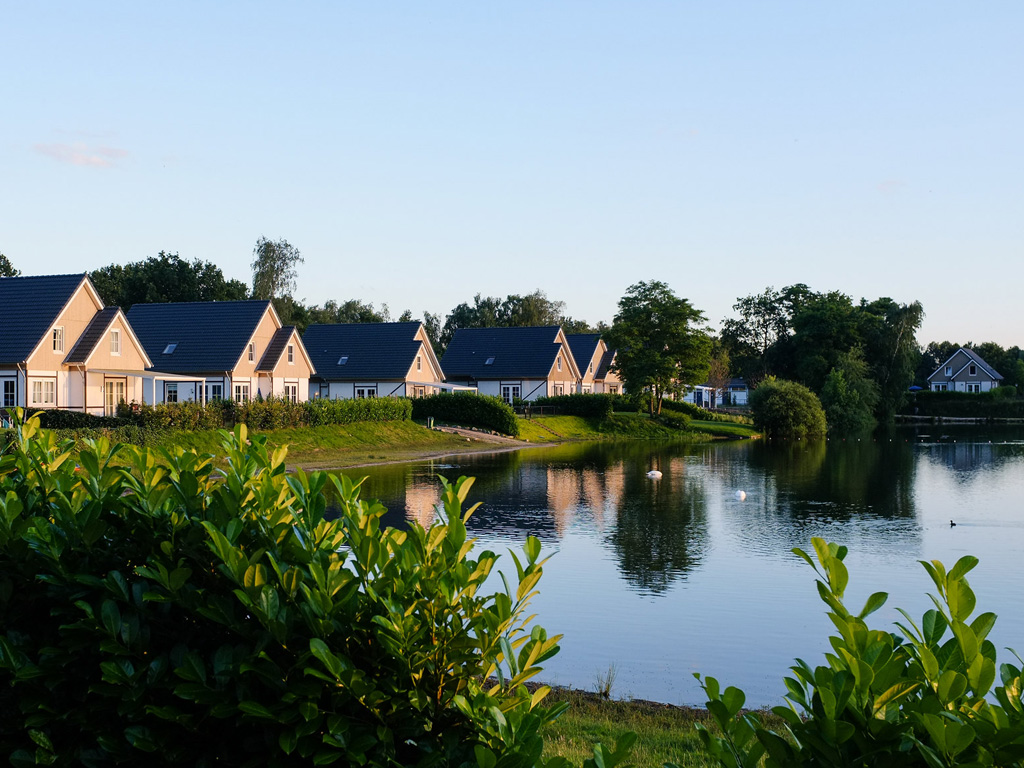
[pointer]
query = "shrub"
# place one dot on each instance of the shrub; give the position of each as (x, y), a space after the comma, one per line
(323, 411)
(922, 697)
(61, 419)
(1008, 391)
(689, 409)
(787, 410)
(175, 613)
(598, 406)
(468, 409)
(672, 419)
(629, 403)
(187, 415)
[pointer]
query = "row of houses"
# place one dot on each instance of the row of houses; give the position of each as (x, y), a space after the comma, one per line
(60, 347)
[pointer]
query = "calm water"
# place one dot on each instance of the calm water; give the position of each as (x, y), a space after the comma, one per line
(660, 579)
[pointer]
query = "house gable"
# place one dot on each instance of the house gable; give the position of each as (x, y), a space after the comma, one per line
(32, 307)
(488, 354)
(959, 367)
(72, 320)
(275, 359)
(365, 352)
(109, 342)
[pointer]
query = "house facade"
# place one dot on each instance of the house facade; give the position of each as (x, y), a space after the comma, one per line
(964, 371)
(594, 359)
(513, 363)
(220, 350)
(355, 360)
(707, 396)
(61, 348)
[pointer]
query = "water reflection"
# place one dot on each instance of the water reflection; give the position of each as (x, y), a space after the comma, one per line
(671, 574)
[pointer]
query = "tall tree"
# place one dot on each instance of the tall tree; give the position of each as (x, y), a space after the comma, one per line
(162, 278)
(824, 328)
(889, 334)
(850, 396)
(7, 268)
(513, 311)
(758, 340)
(662, 342)
(274, 268)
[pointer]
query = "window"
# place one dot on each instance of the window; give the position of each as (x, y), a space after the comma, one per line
(115, 342)
(949, 370)
(489, 361)
(214, 392)
(558, 362)
(44, 392)
(343, 359)
(418, 391)
(171, 392)
(170, 347)
(8, 393)
(58, 339)
(510, 393)
(419, 363)
(362, 392)
(558, 390)
(252, 352)
(242, 390)
(291, 393)
(613, 390)
(590, 368)
(974, 370)
(291, 355)
(113, 395)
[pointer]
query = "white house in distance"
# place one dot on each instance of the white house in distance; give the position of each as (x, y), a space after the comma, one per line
(512, 363)
(61, 348)
(355, 360)
(214, 350)
(965, 371)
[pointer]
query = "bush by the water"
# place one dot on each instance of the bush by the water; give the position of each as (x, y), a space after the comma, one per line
(922, 696)
(598, 406)
(673, 419)
(468, 409)
(786, 410)
(177, 613)
(1000, 403)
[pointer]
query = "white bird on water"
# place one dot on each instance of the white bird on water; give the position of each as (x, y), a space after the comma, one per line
(654, 474)
(741, 495)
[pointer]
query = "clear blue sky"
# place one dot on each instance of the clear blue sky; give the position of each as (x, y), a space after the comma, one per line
(418, 153)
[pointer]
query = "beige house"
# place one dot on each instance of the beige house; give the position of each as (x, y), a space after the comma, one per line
(595, 359)
(219, 350)
(60, 348)
(512, 363)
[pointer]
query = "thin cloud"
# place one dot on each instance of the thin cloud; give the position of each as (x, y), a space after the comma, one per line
(82, 155)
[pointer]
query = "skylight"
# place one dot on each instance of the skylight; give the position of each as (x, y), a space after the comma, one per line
(489, 361)
(343, 359)
(170, 347)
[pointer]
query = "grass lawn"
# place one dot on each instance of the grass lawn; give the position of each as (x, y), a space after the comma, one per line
(637, 426)
(664, 733)
(724, 429)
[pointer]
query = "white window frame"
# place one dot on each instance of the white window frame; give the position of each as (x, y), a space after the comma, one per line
(170, 391)
(8, 393)
(252, 351)
(291, 393)
(44, 391)
(419, 362)
(115, 342)
(114, 391)
(58, 338)
(291, 354)
(209, 392)
(241, 392)
(558, 362)
(365, 391)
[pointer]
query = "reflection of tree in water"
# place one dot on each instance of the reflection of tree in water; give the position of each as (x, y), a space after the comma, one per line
(662, 526)
(970, 460)
(842, 479)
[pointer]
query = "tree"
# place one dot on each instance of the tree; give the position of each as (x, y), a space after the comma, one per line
(662, 342)
(163, 278)
(274, 268)
(718, 369)
(888, 331)
(850, 396)
(7, 269)
(514, 310)
(786, 410)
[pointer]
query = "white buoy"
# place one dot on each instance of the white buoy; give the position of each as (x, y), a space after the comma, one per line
(741, 495)
(654, 474)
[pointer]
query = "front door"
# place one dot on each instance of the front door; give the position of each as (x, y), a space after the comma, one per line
(510, 393)
(114, 391)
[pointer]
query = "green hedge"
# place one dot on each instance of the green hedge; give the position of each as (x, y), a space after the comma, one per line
(469, 410)
(320, 412)
(979, 405)
(600, 406)
(154, 610)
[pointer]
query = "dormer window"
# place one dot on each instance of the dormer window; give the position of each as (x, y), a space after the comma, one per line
(170, 347)
(291, 354)
(342, 360)
(489, 361)
(252, 352)
(115, 342)
(58, 339)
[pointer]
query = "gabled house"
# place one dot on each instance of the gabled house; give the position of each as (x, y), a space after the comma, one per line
(354, 360)
(707, 396)
(965, 371)
(512, 363)
(594, 359)
(214, 350)
(61, 348)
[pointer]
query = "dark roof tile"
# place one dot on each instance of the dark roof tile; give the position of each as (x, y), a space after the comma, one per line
(522, 353)
(30, 307)
(373, 351)
(91, 336)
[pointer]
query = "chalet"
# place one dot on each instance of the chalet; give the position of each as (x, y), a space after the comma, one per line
(707, 396)
(512, 363)
(213, 350)
(61, 348)
(354, 360)
(594, 359)
(965, 371)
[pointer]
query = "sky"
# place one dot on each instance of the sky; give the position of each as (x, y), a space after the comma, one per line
(420, 153)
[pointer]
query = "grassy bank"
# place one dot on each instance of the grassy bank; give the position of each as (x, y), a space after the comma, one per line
(624, 426)
(664, 733)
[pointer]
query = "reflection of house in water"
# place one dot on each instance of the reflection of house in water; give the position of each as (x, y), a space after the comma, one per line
(421, 500)
(964, 457)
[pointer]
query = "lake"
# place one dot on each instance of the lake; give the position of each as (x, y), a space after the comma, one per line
(658, 579)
